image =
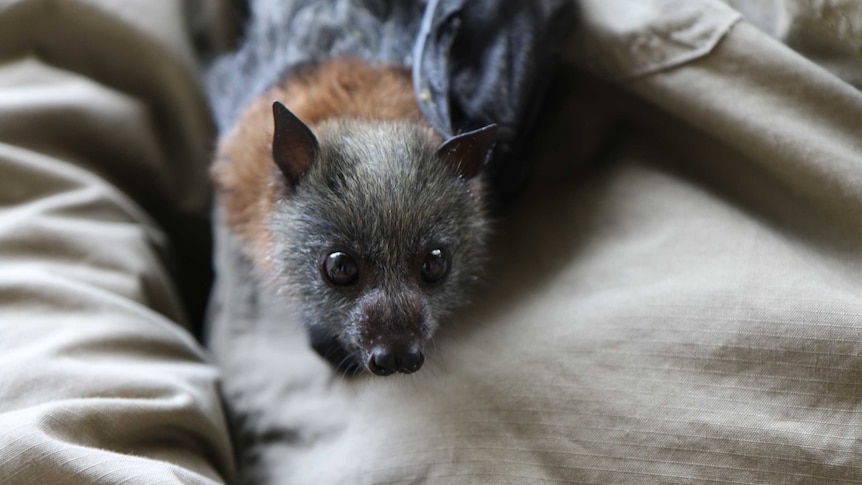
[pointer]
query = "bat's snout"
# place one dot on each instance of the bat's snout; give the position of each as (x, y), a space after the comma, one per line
(386, 359)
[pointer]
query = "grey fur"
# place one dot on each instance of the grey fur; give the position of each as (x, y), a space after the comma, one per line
(282, 34)
(379, 192)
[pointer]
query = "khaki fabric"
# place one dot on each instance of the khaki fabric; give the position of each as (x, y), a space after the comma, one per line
(676, 299)
(104, 142)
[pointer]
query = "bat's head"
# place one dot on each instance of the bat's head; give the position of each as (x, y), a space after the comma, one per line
(380, 232)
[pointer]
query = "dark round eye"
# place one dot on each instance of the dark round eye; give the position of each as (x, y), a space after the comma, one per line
(341, 269)
(435, 266)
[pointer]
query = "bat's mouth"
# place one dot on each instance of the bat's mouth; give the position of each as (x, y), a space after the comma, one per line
(386, 356)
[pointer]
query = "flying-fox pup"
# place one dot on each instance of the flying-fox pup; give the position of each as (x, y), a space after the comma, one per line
(345, 199)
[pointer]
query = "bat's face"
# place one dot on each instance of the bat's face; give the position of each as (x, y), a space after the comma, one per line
(381, 239)
(378, 314)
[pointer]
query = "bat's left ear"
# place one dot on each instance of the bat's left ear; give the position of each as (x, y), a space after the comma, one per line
(467, 153)
(294, 147)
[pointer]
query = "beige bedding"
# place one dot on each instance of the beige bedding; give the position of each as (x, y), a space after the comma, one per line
(675, 300)
(687, 310)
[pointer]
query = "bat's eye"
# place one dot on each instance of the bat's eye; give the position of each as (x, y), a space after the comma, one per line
(435, 266)
(341, 269)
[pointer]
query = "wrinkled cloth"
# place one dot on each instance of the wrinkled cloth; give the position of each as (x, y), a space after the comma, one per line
(674, 300)
(104, 248)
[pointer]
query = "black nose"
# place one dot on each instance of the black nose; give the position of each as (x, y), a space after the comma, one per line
(387, 360)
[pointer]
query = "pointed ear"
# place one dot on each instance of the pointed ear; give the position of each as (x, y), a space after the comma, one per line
(467, 153)
(294, 147)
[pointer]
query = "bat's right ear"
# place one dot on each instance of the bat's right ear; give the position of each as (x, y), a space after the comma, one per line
(294, 147)
(467, 153)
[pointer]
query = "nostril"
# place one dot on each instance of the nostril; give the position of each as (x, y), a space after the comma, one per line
(382, 362)
(412, 361)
